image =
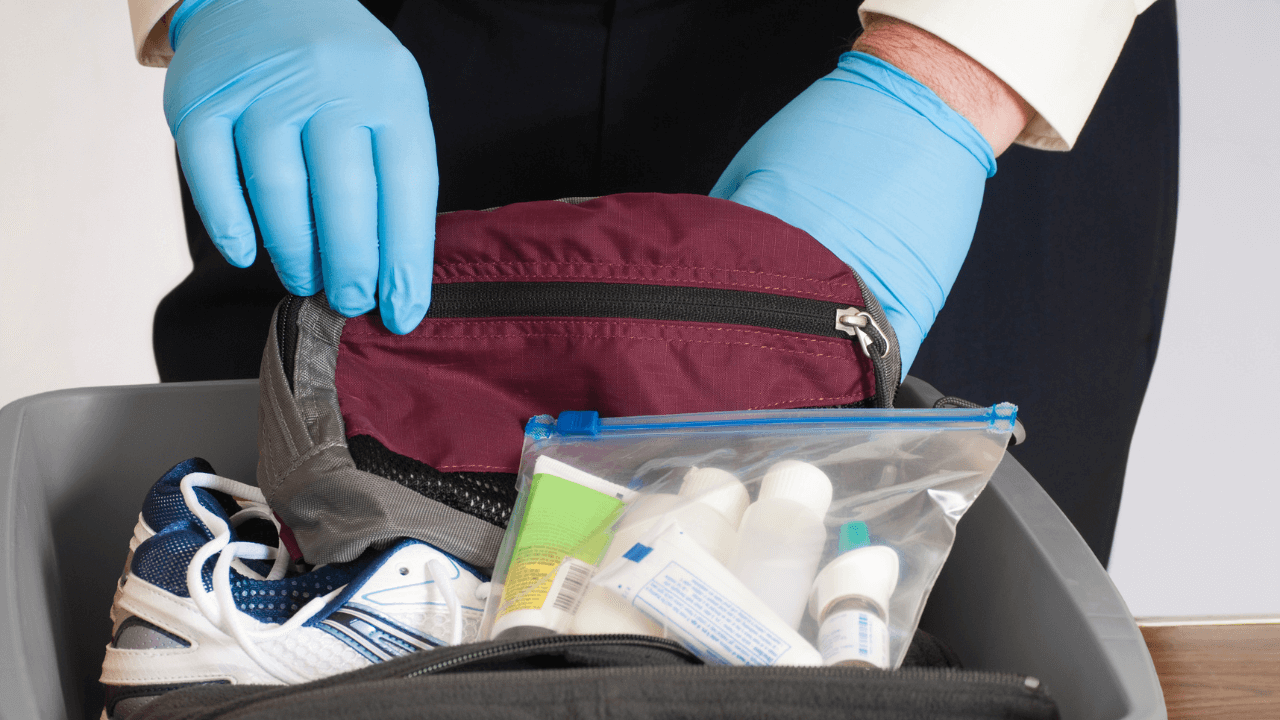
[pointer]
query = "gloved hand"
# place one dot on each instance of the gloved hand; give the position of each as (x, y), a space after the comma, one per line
(883, 173)
(327, 115)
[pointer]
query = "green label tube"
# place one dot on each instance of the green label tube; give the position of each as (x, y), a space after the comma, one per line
(563, 534)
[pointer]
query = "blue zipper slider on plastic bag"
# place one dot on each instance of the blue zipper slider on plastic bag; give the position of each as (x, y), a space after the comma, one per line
(570, 422)
(578, 422)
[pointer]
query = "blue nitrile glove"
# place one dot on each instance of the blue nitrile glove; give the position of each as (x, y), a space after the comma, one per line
(883, 173)
(328, 116)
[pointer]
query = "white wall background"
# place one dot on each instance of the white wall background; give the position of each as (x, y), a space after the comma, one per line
(91, 238)
(1198, 531)
(90, 223)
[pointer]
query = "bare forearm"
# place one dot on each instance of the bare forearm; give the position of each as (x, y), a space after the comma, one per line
(970, 89)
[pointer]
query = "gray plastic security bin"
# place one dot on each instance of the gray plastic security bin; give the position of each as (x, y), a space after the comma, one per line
(1021, 591)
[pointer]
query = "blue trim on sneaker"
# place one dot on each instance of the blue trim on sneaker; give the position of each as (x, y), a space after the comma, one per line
(163, 558)
(164, 504)
(275, 601)
(375, 636)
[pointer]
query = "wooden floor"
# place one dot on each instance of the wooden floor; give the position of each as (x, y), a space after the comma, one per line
(1218, 671)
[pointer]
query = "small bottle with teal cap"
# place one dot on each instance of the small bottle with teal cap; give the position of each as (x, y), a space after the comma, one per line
(850, 601)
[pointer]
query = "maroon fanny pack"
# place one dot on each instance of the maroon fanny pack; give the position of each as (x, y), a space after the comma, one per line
(636, 304)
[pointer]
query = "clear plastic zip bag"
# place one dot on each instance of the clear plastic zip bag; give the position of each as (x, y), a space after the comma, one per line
(772, 537)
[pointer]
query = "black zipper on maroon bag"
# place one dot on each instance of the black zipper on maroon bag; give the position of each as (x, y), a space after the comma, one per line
(866, 326)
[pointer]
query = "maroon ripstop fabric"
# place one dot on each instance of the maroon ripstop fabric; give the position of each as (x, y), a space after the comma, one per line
(456, 393)
(686, 240)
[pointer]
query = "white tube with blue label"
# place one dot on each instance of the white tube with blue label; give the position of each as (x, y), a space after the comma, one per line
(679, 585)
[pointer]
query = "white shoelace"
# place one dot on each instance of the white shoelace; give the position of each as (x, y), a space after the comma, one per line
(219, 605)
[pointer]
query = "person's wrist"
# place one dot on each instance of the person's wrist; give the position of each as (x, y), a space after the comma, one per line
(869, 71)
(994, 108)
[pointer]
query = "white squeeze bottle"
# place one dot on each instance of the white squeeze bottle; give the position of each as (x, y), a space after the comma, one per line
(716, 500)
(710, 504)
(782, 536)
(851, 601)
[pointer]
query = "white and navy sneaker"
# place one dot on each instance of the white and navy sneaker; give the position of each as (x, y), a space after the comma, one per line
(209, 595)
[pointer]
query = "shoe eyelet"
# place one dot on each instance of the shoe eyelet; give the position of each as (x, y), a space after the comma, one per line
(404, 571)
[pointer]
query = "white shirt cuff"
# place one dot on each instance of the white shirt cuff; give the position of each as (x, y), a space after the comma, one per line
(1055, 54)
(150, 38)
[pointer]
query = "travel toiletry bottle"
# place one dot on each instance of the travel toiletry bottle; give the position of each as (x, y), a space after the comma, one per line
(714, 503)
(710, 504)
(782, 536)
(851, 601)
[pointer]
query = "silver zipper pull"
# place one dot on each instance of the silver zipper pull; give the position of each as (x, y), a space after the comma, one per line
(855, 322)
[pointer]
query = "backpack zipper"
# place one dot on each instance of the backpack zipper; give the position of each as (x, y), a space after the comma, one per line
(496, 650)
(547, 643)
(888, 370)
(867, 326)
